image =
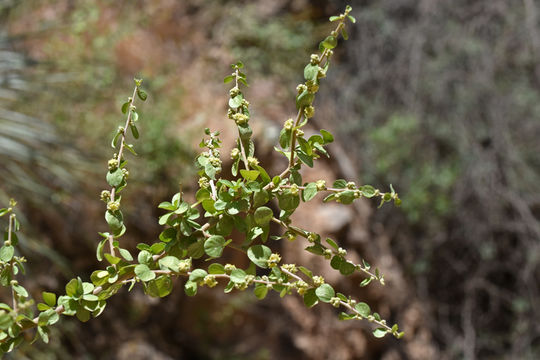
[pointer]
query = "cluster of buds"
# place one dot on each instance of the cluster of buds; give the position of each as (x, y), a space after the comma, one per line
(113, 164)
(239, 118)
(273, 260)
(301, 88)
(290, 268)
(312, 237)
(321, 185)
(185, 265)
(229, 268)
(294, 189)
(288, 124)
(335, 301)
(327, 253)
(342, 251)
(113, 205)
(318, 280)
(314, 59)
(235, 153)
(105, 196)
(301, 287)
(209, 280)
(291, 236)
(203, 182)
(309, 111)
(252, 161)
(312, 86)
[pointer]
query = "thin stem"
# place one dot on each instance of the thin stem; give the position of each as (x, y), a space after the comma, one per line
(119, 159)
(13, 294)
(293, 137)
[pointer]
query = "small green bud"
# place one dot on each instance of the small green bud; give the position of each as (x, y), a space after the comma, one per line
(342, 252)
(335, 301)
(351, 185)
(312, 237)
(314, 59)
(294, 189)
(299, 133)
(240, 118)
(210, 281)
(291, 236)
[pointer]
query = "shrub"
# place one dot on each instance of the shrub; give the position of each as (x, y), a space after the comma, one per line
(245, 204)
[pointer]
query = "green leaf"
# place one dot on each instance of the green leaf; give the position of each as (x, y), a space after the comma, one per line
(49, 298)
(304, 99)
(327, 136)
(309, 192)
(236, 101)
(363, 309)
(115, 177)
(69, 304)
(144, 273)
(125, 254)
(238, 276)
(288, 201)
(83, 314)
(259, 254)
(379, 332)
(228, 79)
(368, 191)
(5, 320)
(160, 287)
(134, 131)
(141, 94)
(125, 107)
(20, 290)
(170, 262)
(72, 288)
(351, 18)
(216, 268)
(306, 271)
(249, 175)
(340, 184)
(347, 268)
(263, 215)
(334, 18)
(43, 333)
(213, 246)
(190, 287)
(6, 253)
(99, 249)
(325, 293)
(344, 34)
(113, 260)
(197, 275)
(330, 42)
(260, 291)
(285, 138)
(310, 298)
(332, 243)
(311, 72)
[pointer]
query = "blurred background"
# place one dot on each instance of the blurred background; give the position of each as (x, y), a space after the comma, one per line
(439, 98)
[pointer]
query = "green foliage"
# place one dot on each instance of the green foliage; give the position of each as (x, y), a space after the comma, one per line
(238, 204)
